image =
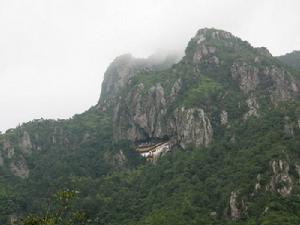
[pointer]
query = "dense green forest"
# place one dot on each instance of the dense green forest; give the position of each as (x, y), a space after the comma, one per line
(292, 59)
(247, 171)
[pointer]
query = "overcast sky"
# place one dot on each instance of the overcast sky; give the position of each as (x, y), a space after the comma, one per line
(53, 53)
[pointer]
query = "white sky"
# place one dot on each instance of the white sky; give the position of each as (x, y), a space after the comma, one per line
(53, 53)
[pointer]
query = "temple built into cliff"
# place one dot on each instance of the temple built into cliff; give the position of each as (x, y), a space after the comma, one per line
(152, 151)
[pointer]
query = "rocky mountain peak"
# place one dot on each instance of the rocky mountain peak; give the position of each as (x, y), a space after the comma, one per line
(209, 43)
(149, 100)
(211, 33)
(124, 67)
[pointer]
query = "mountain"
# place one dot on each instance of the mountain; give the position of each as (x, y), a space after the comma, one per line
(212, 138)
(292, 59)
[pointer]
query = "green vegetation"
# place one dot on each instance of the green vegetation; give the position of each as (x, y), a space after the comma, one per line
(206, 89)
(292, 59)
(117, 186)
(189, 185)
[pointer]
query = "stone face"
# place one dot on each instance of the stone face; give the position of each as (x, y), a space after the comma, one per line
(118, 74)
(281, 182)
(25, 143)
(192, 127)
(204, 48)
(143, 115)
(140, 115)
(246, 75)
(144, 110)
(204, 51)
(275, 82)
(122, 69)
(234, 211)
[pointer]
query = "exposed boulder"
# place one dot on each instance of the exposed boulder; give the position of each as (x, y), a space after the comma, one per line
(281, 182)
(235, 212)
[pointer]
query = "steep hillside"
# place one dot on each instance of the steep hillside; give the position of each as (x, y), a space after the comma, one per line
(220, 129)
(292, 59)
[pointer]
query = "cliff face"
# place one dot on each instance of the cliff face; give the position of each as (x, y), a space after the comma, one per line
(174, 103)
(221, 80)
(235, 106)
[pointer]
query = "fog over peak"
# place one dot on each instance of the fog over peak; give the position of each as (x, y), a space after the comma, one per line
(53, 54)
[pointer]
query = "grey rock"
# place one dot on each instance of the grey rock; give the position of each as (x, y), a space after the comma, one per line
(8, 149)
(192, 127)
(246, 75)
(275, 81)
(140, 115)
(234, 211)
(283, 85)
(19, 168)
(281, 182)
(224, 117)
(25, 143)
(175, 90)
(253, 107)
(122, 69)
(258, 184)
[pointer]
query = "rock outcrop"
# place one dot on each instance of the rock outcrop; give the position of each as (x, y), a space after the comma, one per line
(122, 69)
(19, 168)
(25, 144)
(233, 203)
(281, 182)
(149, 108)
(277, 83)
(143, 115)
(202, 47)
(192, 127)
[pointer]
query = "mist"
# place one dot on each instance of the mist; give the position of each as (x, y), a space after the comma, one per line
(53, 54)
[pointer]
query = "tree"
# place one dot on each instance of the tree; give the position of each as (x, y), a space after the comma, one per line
(60, 211)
